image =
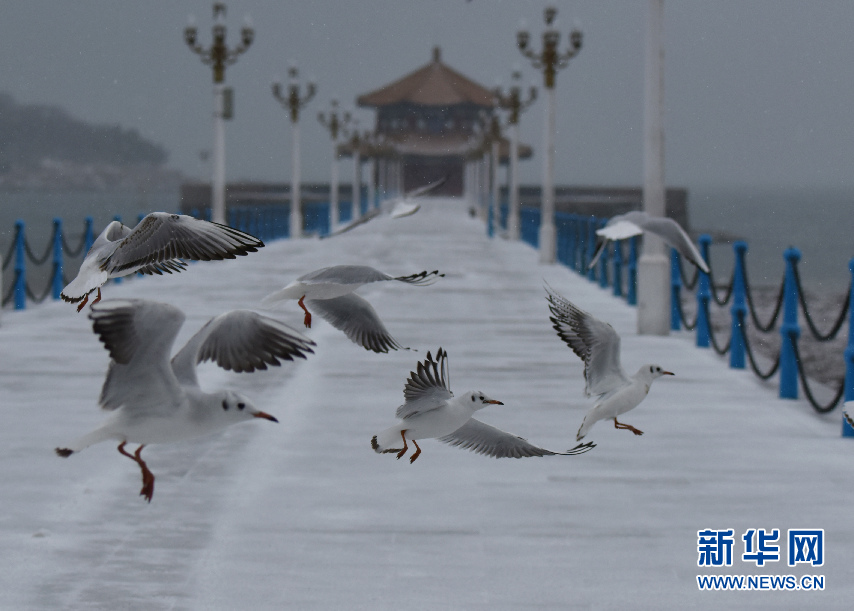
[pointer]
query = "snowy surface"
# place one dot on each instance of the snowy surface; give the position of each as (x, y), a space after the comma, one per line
(303, 515)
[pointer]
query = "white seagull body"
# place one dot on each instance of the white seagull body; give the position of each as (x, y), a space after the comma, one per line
(329, 292)
(156, 245)
(624, 226)
(598, 345)
(395, 208)
(431, 411)
(155, 400)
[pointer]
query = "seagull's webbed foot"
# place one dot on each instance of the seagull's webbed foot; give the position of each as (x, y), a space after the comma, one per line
(620, 425)
(98, 298)
(147, 490)
(405, 447)
(83, 303)
(416, 454)
(307, 319)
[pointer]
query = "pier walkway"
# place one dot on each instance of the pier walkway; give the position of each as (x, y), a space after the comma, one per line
(303, 515)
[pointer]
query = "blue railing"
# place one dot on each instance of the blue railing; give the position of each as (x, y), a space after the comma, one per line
(617, 269)
(267, 222)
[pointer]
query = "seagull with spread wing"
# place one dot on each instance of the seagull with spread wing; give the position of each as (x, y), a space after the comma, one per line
(430, 411)
(329, 292)
(157, 244)
(154, 400)
(636, 222)
(598, 345)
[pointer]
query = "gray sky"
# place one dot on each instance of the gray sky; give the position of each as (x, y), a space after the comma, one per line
(758, 93)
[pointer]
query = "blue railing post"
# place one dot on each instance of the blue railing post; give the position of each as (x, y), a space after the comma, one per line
(618, 268)
(738, 311)
(572, 239)
(119, 279)
(88, 234)
(490, 218)
(632, 283)
(675, 291)
(704, 295)
(56, 281)
(591, 247)
(789, 330)
(20, 267)
(603, 260)
(847, 430)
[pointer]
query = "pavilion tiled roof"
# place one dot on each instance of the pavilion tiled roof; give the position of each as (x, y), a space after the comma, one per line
(434, 84)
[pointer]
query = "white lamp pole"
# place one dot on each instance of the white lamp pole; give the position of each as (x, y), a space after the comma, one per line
(293, 102)
(335, 125)
(549, 60)
(653, 265)
(219, 56)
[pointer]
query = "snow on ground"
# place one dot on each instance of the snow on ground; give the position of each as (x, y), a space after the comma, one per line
(303, 515)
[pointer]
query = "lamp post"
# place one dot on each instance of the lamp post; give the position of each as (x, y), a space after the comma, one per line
(218, 55)
(549, 60)
(293, 102)
(355, 139)
(335, 125)
(654, 263)
(513, 103)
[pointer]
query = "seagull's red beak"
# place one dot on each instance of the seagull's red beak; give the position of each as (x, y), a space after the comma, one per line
(265, 415)
(494, 402)
(667, 373)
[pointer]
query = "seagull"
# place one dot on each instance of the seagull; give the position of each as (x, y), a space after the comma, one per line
(155, 400)
(156, 245)
(399, 207)
(598, 345)
(329, 292)
(634, 223)
(430, 410)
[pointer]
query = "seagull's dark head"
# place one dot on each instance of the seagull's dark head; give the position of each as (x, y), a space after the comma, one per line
(238, 407)
(476, 400)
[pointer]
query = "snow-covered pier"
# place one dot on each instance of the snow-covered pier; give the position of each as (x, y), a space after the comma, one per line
(303, 515)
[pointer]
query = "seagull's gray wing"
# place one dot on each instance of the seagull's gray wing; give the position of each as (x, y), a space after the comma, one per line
(426, 188)
(482, 438)
(595, 342)
(242, 341)
(427, 388)
(344, 274)
(139, 335)
(372, 214)
(161, 237)
(357, 319)
(672, 233)
(620, 227)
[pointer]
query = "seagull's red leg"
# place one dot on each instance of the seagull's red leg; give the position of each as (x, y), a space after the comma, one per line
(83, 303)
(620, 425)
(416, 454)
(98, 298)
(307, 320)
(147, 476)
(405, 447)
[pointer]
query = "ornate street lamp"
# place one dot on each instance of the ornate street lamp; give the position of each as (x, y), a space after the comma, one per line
(335, 125)
(218, 55)
(293, 102)
(549, 60)
(513, 103)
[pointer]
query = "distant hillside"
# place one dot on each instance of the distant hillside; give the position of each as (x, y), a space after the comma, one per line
(31, 135)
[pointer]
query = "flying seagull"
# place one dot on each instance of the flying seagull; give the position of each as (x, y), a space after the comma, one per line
(430, 411)
(154, 400)
(157, 244)
(400, 207)
(598, 345)
(630, 224)
(329, 292)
